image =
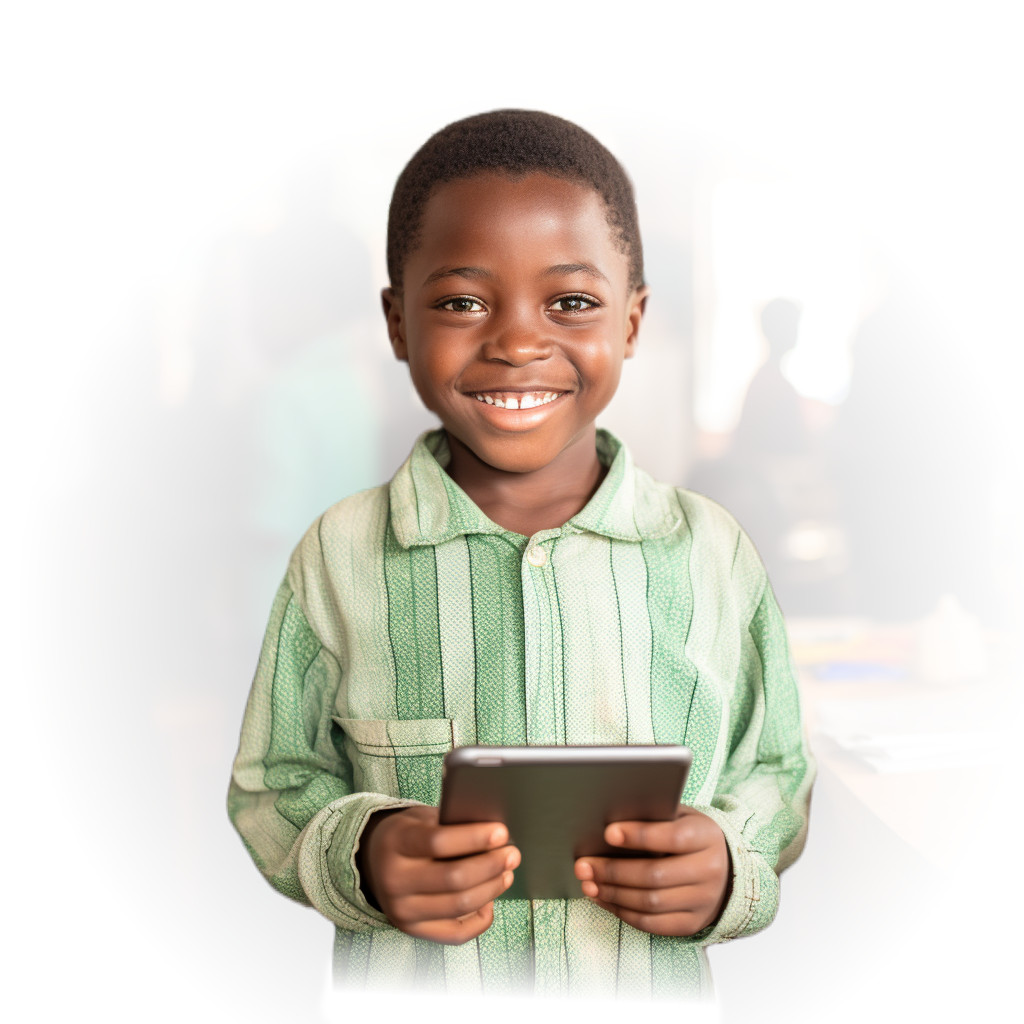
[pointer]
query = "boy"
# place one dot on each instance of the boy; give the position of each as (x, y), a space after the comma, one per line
(519, 582)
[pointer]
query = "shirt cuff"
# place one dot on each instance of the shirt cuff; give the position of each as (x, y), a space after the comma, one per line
(754, 897)
(327, 860)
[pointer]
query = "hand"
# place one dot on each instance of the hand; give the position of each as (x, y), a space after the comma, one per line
(435, 881)
(678, 893)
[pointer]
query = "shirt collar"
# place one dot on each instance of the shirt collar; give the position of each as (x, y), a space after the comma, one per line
(428, 507)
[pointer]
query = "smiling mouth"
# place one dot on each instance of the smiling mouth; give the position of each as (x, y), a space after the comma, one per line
(517, 399)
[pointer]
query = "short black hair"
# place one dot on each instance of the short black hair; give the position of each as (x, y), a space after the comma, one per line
(514, 143)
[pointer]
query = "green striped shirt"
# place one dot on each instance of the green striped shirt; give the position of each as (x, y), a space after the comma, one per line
(409, 622)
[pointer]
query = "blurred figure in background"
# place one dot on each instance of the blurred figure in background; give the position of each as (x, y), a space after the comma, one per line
(773, 478)
(886, 509)
(772, 421)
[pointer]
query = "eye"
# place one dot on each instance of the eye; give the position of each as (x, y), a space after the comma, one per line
(461, 304)
(574, 304)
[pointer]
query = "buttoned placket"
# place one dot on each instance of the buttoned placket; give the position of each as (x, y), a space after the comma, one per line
(545, 695)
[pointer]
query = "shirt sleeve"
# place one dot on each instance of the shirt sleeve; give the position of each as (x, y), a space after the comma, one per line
(762, 801)
(292, 797)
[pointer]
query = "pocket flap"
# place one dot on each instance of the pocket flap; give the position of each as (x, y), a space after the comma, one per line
(396, 737)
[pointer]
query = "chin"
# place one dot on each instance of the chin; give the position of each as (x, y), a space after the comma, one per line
(510, 457)
(512, 464)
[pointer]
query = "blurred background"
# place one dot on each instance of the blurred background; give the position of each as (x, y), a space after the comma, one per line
(195, 366)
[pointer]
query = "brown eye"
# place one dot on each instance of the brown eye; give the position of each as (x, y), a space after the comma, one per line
(462, 304)
(573, 304)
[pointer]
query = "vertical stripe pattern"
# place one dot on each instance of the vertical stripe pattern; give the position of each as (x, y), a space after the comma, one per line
(409, 622)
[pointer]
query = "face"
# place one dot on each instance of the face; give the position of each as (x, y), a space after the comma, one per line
(515, 317)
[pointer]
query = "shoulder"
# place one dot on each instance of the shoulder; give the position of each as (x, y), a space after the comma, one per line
(721, 553)
(351, 519)
(351, 531)
(709, 524)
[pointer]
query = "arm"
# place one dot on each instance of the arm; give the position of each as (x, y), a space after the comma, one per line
(292, 801)
(291, 796)
(762, 800)
(717, 877)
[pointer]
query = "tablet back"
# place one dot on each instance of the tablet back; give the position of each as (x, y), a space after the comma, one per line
(556, 802)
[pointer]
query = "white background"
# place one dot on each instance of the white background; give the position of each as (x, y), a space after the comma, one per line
(136, 139)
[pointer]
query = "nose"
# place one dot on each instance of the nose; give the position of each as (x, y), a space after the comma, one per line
(517, 338)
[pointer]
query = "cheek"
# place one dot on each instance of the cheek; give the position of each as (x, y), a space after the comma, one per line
(603, 370)
(432, 376)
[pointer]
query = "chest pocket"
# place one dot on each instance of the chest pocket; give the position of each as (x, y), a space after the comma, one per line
(400, 758)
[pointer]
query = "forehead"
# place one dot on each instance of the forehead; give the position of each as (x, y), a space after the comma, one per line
(491, 218)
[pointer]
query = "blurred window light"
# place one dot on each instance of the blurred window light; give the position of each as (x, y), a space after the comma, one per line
(791, 238)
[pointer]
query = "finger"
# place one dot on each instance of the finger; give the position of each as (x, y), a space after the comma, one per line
(453, 932)
(418, 876)
(437, 842)
(679, 923)
(642, 872)
(448, 905)
(685, 834)
(680, 898)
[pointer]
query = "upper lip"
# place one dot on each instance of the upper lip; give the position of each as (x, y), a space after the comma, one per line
(515, 389)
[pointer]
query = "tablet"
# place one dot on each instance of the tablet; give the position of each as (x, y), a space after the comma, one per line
(556, 802)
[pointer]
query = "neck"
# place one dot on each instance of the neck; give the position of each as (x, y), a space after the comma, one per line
(526, 503)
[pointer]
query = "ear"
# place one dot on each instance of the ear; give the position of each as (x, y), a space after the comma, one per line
(395, 317)
(635, 313)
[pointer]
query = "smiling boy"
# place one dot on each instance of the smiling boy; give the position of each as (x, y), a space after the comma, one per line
(515, 314)
(519, 581)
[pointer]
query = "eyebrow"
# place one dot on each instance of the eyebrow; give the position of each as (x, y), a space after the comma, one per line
(476, 273)
(471, 273)
(574, 268)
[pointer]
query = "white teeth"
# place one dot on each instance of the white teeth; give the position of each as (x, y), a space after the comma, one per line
(525, 401)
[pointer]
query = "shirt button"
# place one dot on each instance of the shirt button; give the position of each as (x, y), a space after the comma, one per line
(537, 556)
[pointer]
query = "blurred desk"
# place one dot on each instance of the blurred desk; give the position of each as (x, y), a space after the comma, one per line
(870, 912)
(916, 755)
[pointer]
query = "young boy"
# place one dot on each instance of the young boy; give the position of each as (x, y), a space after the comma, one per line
(519, 582)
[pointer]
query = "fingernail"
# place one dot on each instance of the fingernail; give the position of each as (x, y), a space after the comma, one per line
(584, 870)
(499, 835)
(512, 860)
(590, 889)
(507, 878)
(614, 835)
